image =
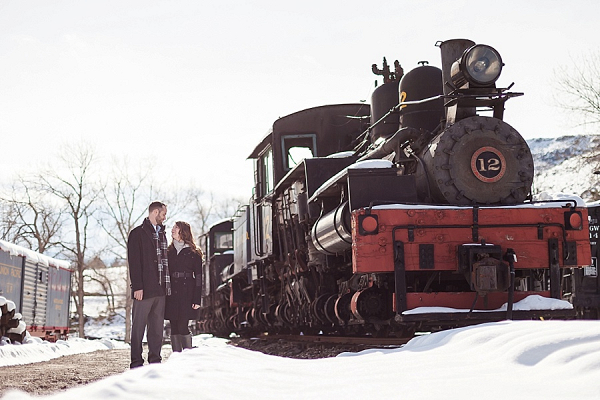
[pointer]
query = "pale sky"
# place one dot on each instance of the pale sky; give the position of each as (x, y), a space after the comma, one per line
(196, 85)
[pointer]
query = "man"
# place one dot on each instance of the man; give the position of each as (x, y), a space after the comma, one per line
(150, 282)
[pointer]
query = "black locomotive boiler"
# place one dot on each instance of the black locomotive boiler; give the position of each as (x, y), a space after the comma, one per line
(415, 212)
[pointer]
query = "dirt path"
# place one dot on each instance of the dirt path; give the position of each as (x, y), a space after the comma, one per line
(65, 372)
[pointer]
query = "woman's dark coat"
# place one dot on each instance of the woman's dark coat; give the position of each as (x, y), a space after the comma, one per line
(184, 291)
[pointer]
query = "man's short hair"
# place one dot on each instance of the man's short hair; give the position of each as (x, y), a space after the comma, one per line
(155, 205)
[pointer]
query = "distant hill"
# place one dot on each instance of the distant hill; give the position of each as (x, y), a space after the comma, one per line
(565, 165)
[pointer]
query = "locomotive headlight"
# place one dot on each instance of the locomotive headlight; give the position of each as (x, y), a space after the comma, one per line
(480, 66)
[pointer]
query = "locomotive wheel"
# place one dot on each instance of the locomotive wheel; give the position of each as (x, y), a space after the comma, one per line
(369, 304)
(329, 309)
(283, 314)
(260, 318)
(478, 160)
(250, 316)
(342, 308)
(318, 309)
(233, 323)
(271, 317)
(217, 325)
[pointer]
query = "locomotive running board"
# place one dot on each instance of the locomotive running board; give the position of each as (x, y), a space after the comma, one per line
(466, 318)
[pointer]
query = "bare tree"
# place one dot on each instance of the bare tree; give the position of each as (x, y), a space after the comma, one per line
(125, 199)
(579, 88)
(578, 93)
(36, 221)
(9, 226)
(204, 209)
(72, 185)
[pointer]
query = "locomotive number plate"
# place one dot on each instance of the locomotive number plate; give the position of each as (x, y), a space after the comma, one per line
(488, 164)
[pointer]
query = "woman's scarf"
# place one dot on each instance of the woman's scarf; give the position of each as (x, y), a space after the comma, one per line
(179, 245)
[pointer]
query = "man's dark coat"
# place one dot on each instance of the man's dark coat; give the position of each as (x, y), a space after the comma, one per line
(143, 260)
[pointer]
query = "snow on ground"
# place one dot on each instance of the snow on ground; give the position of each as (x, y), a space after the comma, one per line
(509, 359)
(36, 350)
(98, 324)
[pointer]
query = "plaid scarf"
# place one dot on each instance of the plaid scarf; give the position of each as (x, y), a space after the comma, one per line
(160, 242)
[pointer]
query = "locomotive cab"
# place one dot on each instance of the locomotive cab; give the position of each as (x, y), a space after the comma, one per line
(217, 246)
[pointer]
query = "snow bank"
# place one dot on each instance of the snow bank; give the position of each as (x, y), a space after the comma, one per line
(36, 350)
(505, 360)
(531, 302)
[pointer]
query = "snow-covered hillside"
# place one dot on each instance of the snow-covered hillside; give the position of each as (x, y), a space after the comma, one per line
(564, 165)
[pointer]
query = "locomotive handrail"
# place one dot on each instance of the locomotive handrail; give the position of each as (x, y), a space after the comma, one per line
(454, 96)
(256, 230)
(375, 203)
(479, 98)
(395, 109)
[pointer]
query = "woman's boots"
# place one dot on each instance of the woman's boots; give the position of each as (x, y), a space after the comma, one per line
(180, 342)
(186, 341)
(176, 345)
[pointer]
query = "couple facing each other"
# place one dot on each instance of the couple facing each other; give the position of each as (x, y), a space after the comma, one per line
(165, 281)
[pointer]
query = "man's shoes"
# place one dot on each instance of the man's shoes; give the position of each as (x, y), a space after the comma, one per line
(136, 364)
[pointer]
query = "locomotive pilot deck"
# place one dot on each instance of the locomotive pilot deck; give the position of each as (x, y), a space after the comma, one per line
(419, 243)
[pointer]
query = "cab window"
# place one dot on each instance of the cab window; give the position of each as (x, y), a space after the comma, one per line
(296, 148)
(223, 240)
(265, 173)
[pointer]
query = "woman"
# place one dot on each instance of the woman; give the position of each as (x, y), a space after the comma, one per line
(185, 266)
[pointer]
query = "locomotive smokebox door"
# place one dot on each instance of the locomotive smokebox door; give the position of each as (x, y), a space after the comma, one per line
(477, 160)
(488, 164)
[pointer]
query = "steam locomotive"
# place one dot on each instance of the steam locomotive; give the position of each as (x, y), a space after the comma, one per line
(413, 213)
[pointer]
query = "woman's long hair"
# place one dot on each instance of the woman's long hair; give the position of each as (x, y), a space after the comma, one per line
(185, 234)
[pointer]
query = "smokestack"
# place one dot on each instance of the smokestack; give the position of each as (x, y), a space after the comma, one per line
(451, 51)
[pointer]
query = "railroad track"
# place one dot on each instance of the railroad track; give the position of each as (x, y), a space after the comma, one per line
(339, 340)
(314, 346)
